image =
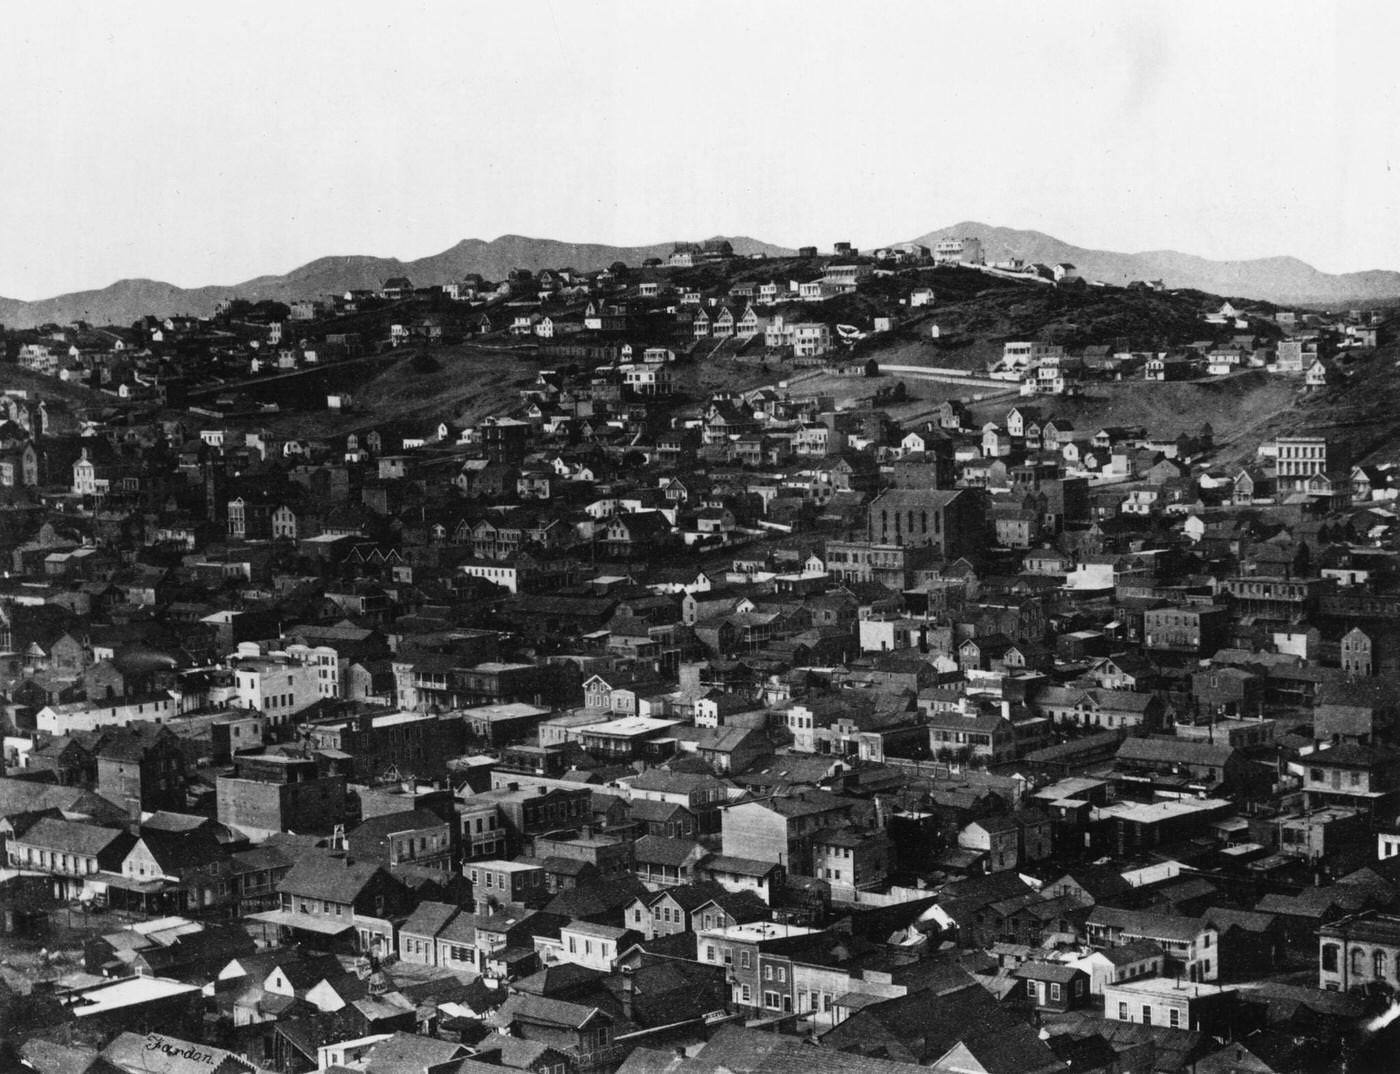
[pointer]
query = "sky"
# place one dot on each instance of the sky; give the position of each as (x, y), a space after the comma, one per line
(207, 144)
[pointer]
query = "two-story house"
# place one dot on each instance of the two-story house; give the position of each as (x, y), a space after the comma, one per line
(1190, 945)
(332, 902)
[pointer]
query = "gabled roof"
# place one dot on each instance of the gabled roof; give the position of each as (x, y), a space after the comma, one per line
(658, 850)
(543, 1010)
(1147, 924)
(162, 1054)
(329, 877)
(429, 918)
(1251, 921)
(929, 1026)
(414, 1052)
(177, 851)
(1128, 953)
(1058, 972)
(72, 837)
(736, 866)
(1163, 749)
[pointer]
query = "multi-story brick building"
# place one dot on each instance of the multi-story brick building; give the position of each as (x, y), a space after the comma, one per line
(952, 522)
(781, 829)
(1187, 628)
(525, 811)
(274, 792)
(142, 766)
(1362, 949)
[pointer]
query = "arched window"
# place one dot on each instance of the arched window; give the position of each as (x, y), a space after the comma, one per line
(1329, 957)
(1378, 964)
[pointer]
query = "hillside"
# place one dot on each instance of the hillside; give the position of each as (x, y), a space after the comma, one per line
(1275, 279)
(127, 300)
(37, 386)
(1360, 408)
(1285, 280)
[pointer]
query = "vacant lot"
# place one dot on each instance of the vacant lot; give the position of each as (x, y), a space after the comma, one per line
(51, 388)
(1238, 408)
(460, 383)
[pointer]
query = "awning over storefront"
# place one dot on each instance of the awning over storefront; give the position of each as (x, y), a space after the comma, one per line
(291, 919)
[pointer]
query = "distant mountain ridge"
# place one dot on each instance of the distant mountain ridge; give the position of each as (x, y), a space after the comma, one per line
(1283, 280)
(1272, 279)
(127, 300)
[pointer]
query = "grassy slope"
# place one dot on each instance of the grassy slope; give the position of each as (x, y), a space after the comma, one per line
(469, 383)
(976, 314)
(1360, 408)
(1232, 405)
(51, 388)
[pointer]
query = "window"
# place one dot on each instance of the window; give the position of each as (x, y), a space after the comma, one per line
(1030, 988)
(745, 959)
(1054, 991)
(1378, 964)
(1122, 1012)
(745, 994)
(709, 952)
(770, 1000)
(1174, 1018)
(1146, 1014)
(767, 973)
(1329, 957)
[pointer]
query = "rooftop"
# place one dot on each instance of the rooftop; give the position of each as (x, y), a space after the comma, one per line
(1154, 812)
(127, 992)
(758, 931)
(1167, 987)
(629, 725)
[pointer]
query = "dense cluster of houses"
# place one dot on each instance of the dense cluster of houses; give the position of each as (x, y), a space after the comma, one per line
(702, 297)
(629, 730)
(1306, 347)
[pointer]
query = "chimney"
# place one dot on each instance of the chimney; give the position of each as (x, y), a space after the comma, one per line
(629, 987)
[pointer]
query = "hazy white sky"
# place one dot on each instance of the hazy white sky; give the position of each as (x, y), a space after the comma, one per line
(209, 143)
